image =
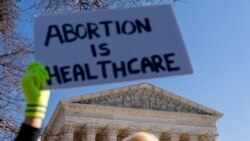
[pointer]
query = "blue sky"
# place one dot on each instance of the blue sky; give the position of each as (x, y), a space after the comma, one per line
(217, 37)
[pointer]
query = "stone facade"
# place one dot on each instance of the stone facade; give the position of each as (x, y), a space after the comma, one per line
(115, 114)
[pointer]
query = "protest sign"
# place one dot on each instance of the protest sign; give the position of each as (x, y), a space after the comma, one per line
(110, 46)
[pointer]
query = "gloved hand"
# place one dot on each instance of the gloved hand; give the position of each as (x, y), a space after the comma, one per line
(32, 83)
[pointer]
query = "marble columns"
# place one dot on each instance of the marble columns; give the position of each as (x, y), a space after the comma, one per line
(91, 132)
(112, 133)
(174, 136)
(194, 137)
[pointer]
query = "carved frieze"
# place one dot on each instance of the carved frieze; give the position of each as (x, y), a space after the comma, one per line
(142, 98)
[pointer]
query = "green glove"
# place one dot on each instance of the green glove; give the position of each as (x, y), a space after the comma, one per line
(34, 80)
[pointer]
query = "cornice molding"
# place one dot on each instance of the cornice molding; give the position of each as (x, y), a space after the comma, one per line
(108, 111)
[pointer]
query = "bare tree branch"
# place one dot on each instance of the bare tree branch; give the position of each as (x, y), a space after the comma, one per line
(16, 50)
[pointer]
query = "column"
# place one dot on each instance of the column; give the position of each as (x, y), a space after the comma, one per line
(91, 132)
(194, 137)
(68, 136)
(156, 132)
(132, 130)
(212, 137)
(67, 132)
(112, 133)
(174, 136)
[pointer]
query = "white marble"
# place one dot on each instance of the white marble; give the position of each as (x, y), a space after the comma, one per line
(124, 111)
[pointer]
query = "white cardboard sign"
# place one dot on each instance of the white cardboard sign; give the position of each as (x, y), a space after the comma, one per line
(110, 46)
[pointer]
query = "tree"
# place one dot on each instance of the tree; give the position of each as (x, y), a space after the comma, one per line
(16, 50)
(14, 54)
(59, 6)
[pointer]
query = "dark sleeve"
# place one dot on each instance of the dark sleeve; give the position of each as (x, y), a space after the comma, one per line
(28, 133)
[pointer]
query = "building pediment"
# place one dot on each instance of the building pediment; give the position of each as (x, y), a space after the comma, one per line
(143, 96)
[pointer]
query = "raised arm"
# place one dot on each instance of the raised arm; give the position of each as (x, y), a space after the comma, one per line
(37, 99)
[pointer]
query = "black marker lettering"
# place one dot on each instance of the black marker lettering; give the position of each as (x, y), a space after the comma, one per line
(157, 61)
(68, 32)
(130, 68)
(65, 72)
(78, 72)
(51, 35)
(106, 26)
(145, 63)
(125, 27)
(93, 50)
(118, 29)
(92, 30)
(145, 26)
(78, 27)
(169, 62)
(116, 69)
(104, 49)
(88, 72)
(103, 67)
(56, 75)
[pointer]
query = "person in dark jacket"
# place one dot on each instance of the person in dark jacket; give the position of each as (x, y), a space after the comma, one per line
(37, 99)
(33, 83)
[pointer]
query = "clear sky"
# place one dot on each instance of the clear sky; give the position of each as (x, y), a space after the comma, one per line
(217, 37)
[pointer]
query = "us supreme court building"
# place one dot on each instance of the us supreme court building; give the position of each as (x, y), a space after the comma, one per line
(114, 114)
